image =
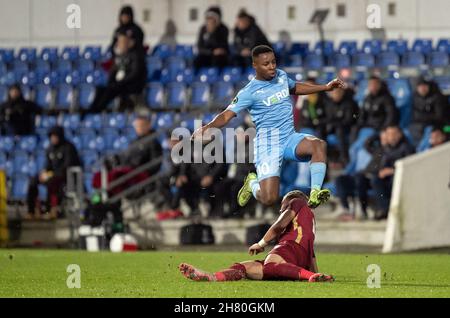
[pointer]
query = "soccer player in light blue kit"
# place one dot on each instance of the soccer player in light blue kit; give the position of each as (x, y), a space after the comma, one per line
(267, 99)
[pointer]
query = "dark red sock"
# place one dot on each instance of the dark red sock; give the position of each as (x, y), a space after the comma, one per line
(285, 270)
(235, 272)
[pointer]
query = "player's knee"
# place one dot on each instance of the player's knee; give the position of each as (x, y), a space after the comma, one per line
(319, 146)
(269, 199)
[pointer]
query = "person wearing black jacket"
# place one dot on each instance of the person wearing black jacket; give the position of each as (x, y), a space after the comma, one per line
(342, 111)
(127, 76)
(128, 27)
(17, 114)
(378, 108)
(429, 108)
(247, 35)
(398, 148)
(61, 155)
(212, 42)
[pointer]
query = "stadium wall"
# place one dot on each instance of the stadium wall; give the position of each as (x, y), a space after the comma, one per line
(43, 22)
(419, 214)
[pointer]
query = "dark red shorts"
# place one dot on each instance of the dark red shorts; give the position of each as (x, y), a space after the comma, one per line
(293, 253)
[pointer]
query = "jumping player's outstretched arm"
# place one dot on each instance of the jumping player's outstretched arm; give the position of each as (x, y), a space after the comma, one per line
(275, 230)
(219, 121)
(306, 88)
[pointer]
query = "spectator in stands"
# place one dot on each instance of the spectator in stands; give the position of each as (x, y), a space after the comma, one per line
(61, 155)
(378, 108)
(127, 76)
(226, 190)
(17, 114)
(398, 148)
(170, 34)
(128, 27)
(145, 149)
(212, 41)
(438, 137)
(341, 110)
(359, 183)
(429, 108)
(247, 35)
(312, 113)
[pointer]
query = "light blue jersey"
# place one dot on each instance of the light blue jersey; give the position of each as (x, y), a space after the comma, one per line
(270, 106)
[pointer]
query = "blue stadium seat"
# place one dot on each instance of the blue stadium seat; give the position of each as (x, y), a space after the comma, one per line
(388, 59)
(348, 47)
(88, 183)
(325, 48)
(19, 68)
(154, 95)
(176, 95)
(3, 69)
(296, 76)
(73, 78)
(175, 64)
(20, 161)
(27, 54)
(162, 51)
(340, 60)
(76, 140)
(93, 121)
(90, 160)
(413, 59)
(70, 53)
(424, 143)
(71, 121)
(301, 48)
(42, 192)
(19, 187)
(295, 60)
(248, 75)
(424, 46)
(28, 79)
(371, 47)
(402, 93)
(100, 78)
(163, 121)
(63, 67)
(361, 92)
(121, 143)
(223, 93)
(49, 54)
(85, 66)
(443, 46)
(109, 135)
(154, 67)
(43, 96)
(313, 62)
(208, 75)
(51, 79)
(64, 96)
(184, 51)
(41, 160)
(200, 95)
(438, 59)
(86, 136)
(27, 143)
(86, 95)
(364, 60)
(6, 55)
(397, 46)
(93, 53)
(186, 76)
(9, 78)
(443, 83)
(46, 121)
(6, 143)
(358, 144)
(279, 48)
(231, 74)
(116, 120)
(26, 90)
(3, 93)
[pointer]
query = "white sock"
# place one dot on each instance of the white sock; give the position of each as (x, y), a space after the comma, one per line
(254, 184)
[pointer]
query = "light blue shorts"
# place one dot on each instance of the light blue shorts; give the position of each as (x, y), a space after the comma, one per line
(268, 161)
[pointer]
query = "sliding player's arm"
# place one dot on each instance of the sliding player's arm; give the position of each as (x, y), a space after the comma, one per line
(275, 230)
(306, 88)
(219, 121)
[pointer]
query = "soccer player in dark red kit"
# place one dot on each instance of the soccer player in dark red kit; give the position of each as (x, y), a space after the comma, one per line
(292, 258)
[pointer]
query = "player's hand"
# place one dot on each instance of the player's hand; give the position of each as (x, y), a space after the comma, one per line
(255, 249)
(336, 83)
(206, 181)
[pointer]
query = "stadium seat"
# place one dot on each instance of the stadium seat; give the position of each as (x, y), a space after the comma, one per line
(90, 159)
(27, 143)
(88, 183)
(208, 75)
(295, 60)
(296, 76)
(397, 46)
(116, 120)
(162, 51)
(64, 96)
(93, 53)
(121, 143)
(88, 138)
(43, 96)
(49, 54)
(63, 67)
(6, 143)
(93, 121)
(443, 46)
(73, 78)
(413, 59)
(19, 68)
(27, 55)
(185, 76)
(424, 143)
(20, 187)
(364, 60)
(231, 74)
(373, 47)
(86, 95)
(26, 90)
(154, 67)
(313, 62)
(176, 95)
(402, 93)
(301, 48)
(42, 192)
(51, 79)
(361, 92)
(175, 64)
(76, 140)
(100, 78)
(70, 53)
(45, 121)
(71, 121)
(3, 69)
(443, 83)
(248, 75)
(110, 135)
(200, 95)
(388, 59)
(438, 59)
(20, 161)
(28, 79)
(41, 160)
(85, 66)
(154, 95)
(164, 121)
(340, 60)
(424, 46)
(184, 51)
(223, 93)
(325, 48)
(3, 93)
(9, 78)
(6, 55)
(348, 47)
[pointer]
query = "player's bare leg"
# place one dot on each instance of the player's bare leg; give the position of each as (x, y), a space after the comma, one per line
(195, 274)
(317, 149)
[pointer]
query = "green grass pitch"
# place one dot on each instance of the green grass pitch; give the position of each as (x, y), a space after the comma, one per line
(43, 273)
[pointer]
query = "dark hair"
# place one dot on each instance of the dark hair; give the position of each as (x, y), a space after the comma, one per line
(374, 77)
(261, 49)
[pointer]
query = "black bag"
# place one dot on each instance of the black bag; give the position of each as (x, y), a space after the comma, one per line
(196, 234)
(255, 233)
